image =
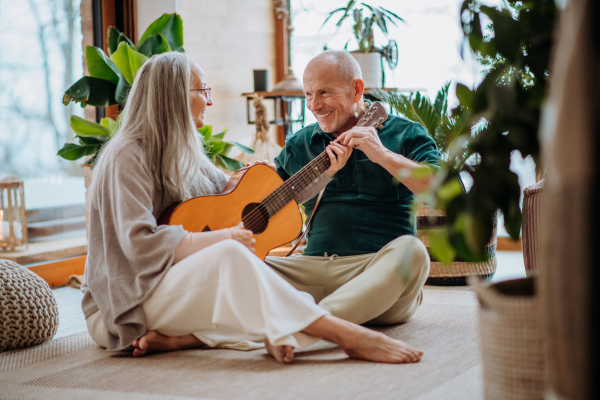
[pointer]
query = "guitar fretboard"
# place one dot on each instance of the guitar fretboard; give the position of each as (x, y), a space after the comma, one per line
(285, 193)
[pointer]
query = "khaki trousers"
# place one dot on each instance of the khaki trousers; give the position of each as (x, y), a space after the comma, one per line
(382, 288)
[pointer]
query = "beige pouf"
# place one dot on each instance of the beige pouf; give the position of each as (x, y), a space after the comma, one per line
(28, 310)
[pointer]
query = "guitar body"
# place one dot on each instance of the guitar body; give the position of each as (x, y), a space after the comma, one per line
(227, 209)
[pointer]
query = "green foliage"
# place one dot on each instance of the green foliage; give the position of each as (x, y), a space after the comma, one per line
(363, 27)
(91, 137)
(217, 149)
(499, 116)
(111, 77)
(443, 126)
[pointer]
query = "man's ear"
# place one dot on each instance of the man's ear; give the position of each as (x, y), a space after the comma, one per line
(359, 88)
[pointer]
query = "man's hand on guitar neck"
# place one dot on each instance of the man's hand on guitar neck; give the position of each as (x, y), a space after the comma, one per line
(367, 140)
(338, 155)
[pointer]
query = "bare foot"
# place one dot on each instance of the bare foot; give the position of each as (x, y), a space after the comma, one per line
(362, 343)
(375, 346)
(153, 341)
(283, 354)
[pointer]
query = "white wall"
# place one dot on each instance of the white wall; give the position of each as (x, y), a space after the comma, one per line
(228, 39)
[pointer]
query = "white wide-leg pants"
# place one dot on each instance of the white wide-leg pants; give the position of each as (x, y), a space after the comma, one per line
(226, 297)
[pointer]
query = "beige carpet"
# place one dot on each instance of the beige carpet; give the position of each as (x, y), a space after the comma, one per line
(445, 328)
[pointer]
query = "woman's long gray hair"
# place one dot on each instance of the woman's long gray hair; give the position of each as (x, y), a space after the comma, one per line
(157, 116)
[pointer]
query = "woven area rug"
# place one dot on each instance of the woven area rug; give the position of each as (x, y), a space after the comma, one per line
(444, 327)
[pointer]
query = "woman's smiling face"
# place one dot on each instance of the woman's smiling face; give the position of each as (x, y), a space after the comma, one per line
(199, 99)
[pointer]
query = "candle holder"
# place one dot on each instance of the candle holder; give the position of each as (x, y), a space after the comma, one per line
(13, 219)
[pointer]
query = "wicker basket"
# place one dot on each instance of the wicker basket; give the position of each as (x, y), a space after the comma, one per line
(455, 274)
(531, 210)
(511, 339)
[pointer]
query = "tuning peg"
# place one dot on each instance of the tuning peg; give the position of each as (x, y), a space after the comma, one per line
(366, 105)
(380, 126)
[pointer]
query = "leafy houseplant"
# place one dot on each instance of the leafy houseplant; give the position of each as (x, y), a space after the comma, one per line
(110, 81)
(93, 136)
(506, 106)
(364, 25)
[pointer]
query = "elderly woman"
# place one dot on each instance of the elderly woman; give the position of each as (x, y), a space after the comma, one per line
(160, 288)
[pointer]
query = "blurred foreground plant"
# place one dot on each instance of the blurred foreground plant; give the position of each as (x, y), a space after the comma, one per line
(506, 108)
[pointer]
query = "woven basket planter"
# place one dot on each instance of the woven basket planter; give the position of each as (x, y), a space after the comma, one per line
(531, 220)
(511, 340)
(457, 273)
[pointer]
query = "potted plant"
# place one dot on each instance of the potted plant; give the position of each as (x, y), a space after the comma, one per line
(444, 126)
(369, 57)
(110, 80)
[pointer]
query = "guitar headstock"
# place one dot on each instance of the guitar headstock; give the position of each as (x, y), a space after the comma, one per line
(375, 116)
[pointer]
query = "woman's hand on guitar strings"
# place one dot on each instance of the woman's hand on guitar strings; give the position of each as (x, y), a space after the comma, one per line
(242, 235)
(264, 162)
(338, 155)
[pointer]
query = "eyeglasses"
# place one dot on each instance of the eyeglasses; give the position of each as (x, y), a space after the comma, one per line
(207, 90)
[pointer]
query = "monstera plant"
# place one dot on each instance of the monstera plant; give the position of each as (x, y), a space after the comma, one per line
(109, 83)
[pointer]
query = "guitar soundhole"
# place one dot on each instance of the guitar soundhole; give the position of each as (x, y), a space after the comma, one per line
(255, 218)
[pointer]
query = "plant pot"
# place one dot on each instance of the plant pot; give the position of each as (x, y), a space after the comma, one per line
(371, 67)
(511, 339)
(457, 273)
(531, 220)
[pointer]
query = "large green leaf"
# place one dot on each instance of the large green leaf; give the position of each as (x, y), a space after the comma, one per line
(110, 124)
(114, 37)
(205, 132)
(441, 100)
(154, 44)
(83, 127)
(170, 26)
(73, 152)
(128, 60)
(93, 91)
(92, 140)
(229, 163)
(99, 65)
(245, 149)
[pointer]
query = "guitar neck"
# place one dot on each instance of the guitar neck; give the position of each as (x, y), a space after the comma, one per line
(374, 116)
(296, 184)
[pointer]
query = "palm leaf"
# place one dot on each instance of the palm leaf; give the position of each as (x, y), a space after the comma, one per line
(441, 100)
(388, 12)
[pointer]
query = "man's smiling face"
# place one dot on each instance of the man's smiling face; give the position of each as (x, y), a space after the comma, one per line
(329, 98)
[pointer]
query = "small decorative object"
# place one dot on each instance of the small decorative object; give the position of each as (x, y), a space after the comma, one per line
(531, 222)
(13, 219)
(511, 339)
(261, 78)
(29, 311)
(264, 148)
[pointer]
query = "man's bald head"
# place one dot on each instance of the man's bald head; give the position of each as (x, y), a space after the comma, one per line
(348, 69)
(334, 87)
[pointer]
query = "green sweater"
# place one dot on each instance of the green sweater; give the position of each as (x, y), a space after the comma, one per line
(364, 207)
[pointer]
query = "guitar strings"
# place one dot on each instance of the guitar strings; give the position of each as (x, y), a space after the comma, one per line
(256, 216)
(277, 199)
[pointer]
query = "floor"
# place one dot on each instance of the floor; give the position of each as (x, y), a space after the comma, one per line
(510, 266)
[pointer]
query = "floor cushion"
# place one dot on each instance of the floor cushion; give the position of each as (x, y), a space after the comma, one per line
(28, 309)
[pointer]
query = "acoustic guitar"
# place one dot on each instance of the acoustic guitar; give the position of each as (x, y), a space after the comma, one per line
(258, 197)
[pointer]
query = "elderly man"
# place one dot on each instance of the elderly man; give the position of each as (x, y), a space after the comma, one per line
(362, 262)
